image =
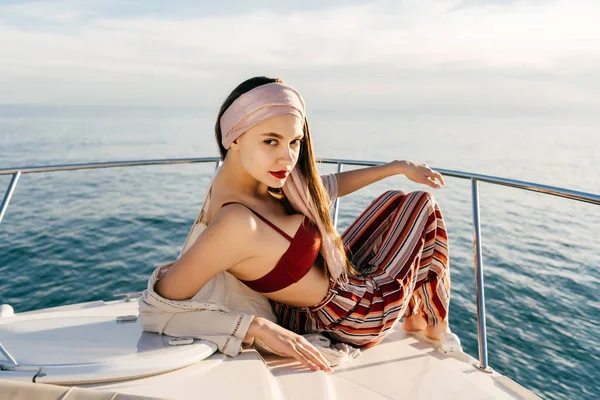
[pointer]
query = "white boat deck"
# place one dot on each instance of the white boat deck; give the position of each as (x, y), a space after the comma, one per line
(82, 345)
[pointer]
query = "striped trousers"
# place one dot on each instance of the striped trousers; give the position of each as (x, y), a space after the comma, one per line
(399, 245)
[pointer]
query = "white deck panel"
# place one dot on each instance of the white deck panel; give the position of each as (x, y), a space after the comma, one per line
(87, 344)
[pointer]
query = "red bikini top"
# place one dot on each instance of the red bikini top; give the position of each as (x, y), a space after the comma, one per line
(295, 262)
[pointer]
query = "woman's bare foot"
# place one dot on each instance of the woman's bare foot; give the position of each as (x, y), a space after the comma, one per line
(435, 332)
(417, 322)
(414, 323)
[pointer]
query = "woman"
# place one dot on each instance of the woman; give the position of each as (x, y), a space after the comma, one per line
(269, 225)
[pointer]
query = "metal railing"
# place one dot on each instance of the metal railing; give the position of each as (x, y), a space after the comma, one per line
(474, 178)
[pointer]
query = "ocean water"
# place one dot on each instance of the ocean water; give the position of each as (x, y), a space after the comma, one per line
(78, 236)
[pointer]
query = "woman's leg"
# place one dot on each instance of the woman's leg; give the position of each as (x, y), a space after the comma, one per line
(403, 235)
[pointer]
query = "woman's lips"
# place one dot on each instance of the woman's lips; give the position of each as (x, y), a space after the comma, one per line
(279, 174)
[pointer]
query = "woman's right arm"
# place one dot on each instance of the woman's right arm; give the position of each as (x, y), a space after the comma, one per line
(229, 330)
(226, 241)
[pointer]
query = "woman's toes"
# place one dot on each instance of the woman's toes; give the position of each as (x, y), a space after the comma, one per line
(435, 332)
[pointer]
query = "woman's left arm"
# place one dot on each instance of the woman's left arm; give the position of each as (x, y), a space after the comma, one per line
(351, 181)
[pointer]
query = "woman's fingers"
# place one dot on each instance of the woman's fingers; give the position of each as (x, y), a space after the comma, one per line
(431, 182)
(317, 356)
(431, 178)
(303, 360)
(422, 173)
(293, 345)
(313, 356)
(440, 177)
(298, 355)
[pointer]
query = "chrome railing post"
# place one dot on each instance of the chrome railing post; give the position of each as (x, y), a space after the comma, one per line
(9, 192)
(7, 355)
(479, 288)
(336, 203)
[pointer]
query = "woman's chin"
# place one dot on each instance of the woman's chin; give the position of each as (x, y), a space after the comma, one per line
(277, 185)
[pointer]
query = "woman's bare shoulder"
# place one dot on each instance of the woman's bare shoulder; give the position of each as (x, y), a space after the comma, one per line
(236, 219)
(230, 213)
(226, 241)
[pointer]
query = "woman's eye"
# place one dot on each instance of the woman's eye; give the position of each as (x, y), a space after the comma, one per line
(273, 142)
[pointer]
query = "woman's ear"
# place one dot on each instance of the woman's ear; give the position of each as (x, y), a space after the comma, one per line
(234, 145)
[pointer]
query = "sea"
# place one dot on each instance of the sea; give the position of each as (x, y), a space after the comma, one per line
(78, 236)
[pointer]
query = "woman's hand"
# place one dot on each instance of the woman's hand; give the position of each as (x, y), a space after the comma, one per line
(421, 173)
(288, 343)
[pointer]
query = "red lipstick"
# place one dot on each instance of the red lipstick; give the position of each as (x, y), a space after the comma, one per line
(279, 174)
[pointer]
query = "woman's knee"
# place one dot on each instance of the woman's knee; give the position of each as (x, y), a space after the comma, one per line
(424, 193)
(426, 197)
(420, 195)
(388, 196)
(393, 193)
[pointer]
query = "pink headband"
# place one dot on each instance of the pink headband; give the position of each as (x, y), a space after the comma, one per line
(258, 105)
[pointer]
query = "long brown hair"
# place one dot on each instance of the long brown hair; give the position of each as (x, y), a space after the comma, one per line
(306, 163)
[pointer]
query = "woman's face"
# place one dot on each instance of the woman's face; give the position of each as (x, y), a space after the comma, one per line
(269, 151)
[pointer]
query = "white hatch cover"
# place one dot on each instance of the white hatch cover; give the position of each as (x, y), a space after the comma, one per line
(89, 345)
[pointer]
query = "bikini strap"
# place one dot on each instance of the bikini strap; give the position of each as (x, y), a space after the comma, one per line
(285, 235)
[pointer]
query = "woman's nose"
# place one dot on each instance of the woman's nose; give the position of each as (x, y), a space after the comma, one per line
(287, 155)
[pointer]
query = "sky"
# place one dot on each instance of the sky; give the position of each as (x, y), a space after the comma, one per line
(463, 56)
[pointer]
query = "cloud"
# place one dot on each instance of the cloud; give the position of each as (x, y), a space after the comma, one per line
(437, 53)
